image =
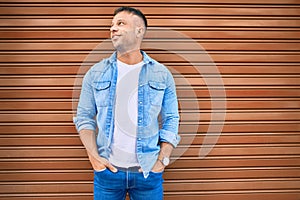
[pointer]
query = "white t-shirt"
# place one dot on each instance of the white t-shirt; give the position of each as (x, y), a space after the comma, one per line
(123, 145)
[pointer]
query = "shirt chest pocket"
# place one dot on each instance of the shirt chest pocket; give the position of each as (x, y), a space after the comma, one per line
(101, 92)
(156, 92)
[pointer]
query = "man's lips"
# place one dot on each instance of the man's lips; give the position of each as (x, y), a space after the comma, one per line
(115, 36)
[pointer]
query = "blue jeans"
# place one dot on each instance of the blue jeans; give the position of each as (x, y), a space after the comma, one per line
(115, 186)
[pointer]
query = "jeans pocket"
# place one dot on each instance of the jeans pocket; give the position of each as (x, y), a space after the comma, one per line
(157, 173)
(156, 178)
(101, 170)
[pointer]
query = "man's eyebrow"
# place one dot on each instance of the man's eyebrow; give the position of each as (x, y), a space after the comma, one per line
(120, 19)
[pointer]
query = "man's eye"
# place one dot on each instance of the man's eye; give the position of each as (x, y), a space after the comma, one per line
(121, 23)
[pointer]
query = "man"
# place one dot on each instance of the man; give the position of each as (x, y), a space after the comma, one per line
(122, 98)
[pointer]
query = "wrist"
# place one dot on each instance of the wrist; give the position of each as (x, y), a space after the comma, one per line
(165, 161)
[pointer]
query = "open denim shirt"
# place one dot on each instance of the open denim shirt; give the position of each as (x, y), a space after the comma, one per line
(156, 96)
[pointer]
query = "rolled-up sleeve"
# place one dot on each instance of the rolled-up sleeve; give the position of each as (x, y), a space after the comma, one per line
(86, 110)
(169, 115)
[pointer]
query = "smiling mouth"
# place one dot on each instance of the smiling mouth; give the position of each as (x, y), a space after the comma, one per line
(115, 36)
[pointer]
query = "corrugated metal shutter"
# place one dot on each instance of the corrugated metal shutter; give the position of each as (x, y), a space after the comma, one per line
(255, 45)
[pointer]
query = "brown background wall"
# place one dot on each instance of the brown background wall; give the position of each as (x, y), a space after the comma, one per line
(255, 46)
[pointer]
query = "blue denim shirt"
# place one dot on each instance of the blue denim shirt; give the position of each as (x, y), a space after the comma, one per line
(156, 96)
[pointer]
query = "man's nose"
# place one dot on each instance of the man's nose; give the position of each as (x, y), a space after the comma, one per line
(113, 29)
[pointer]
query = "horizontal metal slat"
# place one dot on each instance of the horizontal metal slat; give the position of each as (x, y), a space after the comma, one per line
(85, 33)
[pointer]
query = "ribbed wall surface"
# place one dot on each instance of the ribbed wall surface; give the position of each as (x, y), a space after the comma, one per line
(255, 46)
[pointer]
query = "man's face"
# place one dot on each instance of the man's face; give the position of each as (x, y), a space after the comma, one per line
(123, 31)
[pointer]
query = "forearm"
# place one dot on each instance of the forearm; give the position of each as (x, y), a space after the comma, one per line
(165, 150)
(88, 140)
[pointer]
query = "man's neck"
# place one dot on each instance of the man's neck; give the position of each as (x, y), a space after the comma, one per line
(130, 58)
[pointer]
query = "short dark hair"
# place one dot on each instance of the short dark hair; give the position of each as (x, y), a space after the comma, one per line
(132, 10)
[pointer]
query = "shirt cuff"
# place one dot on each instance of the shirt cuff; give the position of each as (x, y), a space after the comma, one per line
(84, 125)
(169, 137)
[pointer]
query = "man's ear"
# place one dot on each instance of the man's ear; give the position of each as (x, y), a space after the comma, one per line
(139, 32)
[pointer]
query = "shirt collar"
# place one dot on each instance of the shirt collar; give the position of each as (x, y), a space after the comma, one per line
(146, 59)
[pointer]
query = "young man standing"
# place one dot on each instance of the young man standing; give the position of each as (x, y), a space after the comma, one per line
(122, 98)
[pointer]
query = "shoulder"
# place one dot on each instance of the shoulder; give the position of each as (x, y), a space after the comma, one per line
(158, 67)
(97, 71)
(104, 64)
(160, 73)
(154, 65)
(100, 66)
